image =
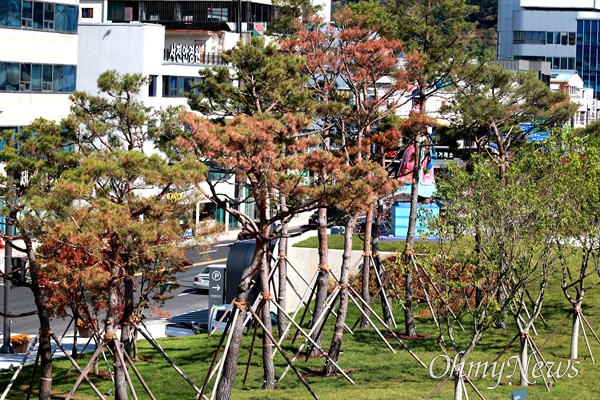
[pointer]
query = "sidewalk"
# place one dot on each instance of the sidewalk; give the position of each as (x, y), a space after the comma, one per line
(156, 330)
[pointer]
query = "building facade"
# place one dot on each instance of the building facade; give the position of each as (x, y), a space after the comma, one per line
(565, 35)
(38, 60)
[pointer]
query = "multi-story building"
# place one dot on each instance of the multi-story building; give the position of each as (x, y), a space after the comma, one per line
(38, 59)
(564, 34)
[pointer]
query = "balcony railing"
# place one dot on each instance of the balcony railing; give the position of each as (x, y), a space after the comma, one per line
(186, 55)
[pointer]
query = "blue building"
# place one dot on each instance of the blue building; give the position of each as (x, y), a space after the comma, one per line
(564, 34)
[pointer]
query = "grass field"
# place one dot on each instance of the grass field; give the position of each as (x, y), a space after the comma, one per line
(378, 373)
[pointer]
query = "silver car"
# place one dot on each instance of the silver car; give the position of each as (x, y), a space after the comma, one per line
(202, 280)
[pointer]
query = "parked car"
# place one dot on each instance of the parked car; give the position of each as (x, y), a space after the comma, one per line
(334, 217)
(208, 323)
(245, 234)
(385, 228)
(202, 280)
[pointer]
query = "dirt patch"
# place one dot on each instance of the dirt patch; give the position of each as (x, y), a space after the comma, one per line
(104, 375)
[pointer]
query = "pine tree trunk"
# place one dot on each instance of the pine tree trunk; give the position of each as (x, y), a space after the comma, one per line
(366, 270)
(322, 280)
(267, 353)
(225, 385)
(336, 341)
(386, 299)
(44, 348)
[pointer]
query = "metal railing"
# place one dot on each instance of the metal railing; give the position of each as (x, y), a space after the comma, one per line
(197, 59)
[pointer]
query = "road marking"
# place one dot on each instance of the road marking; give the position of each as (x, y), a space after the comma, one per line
(223, 245)
(193, 265)
(208, 262)
(182, 294)
(206, 252)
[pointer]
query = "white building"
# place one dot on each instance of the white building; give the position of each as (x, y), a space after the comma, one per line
(570, 83)
(38, 60)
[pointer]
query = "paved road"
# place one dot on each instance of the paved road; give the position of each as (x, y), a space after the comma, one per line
(185, 298)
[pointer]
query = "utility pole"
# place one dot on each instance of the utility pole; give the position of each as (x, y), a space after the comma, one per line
(6, 346)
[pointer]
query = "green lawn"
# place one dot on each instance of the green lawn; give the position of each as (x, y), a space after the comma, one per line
(377, 372)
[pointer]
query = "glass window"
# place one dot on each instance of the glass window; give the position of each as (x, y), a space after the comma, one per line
(571, 38)
(10, 13)
(27, 16)
(47, 78)
(556, 37)
(116, 11)
(38, 15)
(60, 16)
(71, 19)
(563, 38)
(25, 81)
(528, 37)
(58, 81)
(549, 38)
(49, 16)
(36, 77)
(87, 13)
(69, 78)
(152, 85)
(571, 63)
(563, 63)
(11, 73)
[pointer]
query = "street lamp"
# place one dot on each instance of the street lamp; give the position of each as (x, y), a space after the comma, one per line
(6, 346)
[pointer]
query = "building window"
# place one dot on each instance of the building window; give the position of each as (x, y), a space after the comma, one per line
(87, 13)
(38, 15)
(49, 16)
(217, 14)
(152, 85)
(581, 117)
(25, 77)
(175, 86)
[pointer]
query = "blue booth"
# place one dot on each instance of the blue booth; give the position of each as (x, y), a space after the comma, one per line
(401, 212)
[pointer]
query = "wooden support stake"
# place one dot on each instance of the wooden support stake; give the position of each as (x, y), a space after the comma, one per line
(465, 377)
(121, 359)
(437, 389)
(318, 347)
(82, 374)
(35, 366)
(587, 342)
(393, 333)
(268, 333)
(139, 376)
(16, 374)
(251, 351)
(157, 347)
(590, 326)
(556, 330)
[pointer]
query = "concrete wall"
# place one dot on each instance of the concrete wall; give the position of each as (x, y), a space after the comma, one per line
(304, 266)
